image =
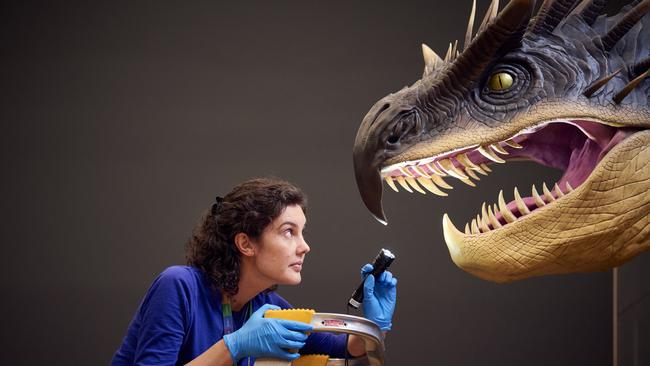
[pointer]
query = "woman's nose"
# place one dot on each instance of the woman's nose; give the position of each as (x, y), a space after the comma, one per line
(304, 247)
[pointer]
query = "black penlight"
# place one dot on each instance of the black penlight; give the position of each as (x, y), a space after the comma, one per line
(382, 261)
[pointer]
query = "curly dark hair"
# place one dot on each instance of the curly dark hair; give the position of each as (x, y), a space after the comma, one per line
(248, 208)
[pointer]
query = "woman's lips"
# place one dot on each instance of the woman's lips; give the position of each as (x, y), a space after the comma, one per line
(297, 266)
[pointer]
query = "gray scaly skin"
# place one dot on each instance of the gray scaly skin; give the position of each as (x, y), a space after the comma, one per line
(567, 88)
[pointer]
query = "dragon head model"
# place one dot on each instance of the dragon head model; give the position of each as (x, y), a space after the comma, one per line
(566, 89)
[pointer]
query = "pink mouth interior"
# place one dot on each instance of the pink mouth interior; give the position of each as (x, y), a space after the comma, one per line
(562, 145)
(565, 146)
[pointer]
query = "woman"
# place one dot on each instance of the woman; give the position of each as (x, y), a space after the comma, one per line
(211, 311)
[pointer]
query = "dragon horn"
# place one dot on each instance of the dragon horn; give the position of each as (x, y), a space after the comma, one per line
(505, 32)
(551, 13)
(596, 85)
(624, 25)
(618, 98)
(641, 67)
(589, 10)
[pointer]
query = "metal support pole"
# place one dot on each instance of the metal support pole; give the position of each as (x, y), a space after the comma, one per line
(615, 315)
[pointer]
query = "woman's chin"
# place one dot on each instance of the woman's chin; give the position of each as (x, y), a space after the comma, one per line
(292, 279)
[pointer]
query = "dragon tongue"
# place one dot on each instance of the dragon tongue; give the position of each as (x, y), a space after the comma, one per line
(582, 162)
(598, 132)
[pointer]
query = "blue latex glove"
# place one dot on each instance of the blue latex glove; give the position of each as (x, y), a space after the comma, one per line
(267, 337)
(379, 297)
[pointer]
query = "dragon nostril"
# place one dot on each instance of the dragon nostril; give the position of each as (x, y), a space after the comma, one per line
(396, 134)
(393, 139)
(405, 125)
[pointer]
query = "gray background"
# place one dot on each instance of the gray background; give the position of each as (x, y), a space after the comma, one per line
(121, 122)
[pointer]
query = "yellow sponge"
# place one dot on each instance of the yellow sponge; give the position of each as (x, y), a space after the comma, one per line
(299, 315)
(311, 360)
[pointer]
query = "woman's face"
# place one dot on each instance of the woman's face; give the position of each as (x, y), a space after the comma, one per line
(281, 249)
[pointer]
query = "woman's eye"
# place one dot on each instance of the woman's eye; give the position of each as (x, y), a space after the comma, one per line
(288, 233)
(500, 81)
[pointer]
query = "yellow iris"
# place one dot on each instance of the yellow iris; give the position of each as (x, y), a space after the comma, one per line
(500, 81)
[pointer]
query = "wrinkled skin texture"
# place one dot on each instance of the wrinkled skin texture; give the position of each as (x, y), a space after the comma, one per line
(603, 221)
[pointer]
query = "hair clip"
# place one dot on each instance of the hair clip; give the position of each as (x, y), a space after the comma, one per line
(216, 206)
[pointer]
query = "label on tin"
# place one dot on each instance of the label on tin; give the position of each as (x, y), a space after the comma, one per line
(334, 323)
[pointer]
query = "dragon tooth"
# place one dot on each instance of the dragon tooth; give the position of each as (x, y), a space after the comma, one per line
(484, 214)
(421, 171)
(414, 184)
(468, 182)
(464, 159)
(547, 194)
(490, 154)
(568, 187)
(453, 237)
(480, 170)
(471, 173)
(505, 211)
(538, 200)
(448, 167)
(391, 183)
(521, 205)
(402, 182)
(474, 227)
(513, 144)
(499, 149)
(558, 191)
(493, 219)
(467, 229)
(404, 170)
(430, 186)
(485, 167)
(435, 169)
(441, 182)
(481, 224)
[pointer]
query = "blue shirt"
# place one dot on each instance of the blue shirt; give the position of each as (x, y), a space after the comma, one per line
(180, 318)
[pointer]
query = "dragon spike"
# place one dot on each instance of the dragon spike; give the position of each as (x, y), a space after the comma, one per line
(550, 15)
(470, 26)
(454, 51)
(431, 59)
(589, 10)
(596, 85)
(448, 54)
(489, 15)
(502, 34)
(641, 67)
(618, 98)
(630, 19)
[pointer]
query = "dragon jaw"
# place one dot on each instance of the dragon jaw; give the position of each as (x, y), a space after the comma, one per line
(595, 217)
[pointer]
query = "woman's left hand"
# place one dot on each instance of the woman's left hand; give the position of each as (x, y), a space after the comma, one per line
(379, 297)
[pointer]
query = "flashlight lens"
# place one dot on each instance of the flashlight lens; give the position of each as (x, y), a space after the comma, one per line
(388, 253)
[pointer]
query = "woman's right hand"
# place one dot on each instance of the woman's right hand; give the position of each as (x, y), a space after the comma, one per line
(267, 337)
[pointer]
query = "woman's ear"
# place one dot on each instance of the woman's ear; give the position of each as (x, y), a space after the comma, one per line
(244, 244)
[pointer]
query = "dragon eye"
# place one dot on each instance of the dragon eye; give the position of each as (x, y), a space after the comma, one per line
(500, 81)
